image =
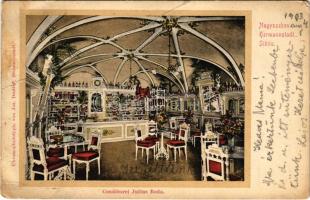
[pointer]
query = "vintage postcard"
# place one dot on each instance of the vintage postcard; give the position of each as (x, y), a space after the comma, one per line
(150, 99)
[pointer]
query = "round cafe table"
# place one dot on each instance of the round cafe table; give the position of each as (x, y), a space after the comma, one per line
(162, 152)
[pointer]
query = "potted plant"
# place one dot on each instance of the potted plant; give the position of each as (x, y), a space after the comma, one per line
(232, 128)
(161, 119)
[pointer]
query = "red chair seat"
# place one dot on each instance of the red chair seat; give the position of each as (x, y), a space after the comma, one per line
(176, 142)
(144, 143)
(86, 155)
(56, 152)
(52, 164)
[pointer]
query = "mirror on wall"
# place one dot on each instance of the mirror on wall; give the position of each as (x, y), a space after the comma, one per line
(96, 102)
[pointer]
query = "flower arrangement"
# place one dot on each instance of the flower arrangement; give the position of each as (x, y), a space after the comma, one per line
(231, 126)
(161, 118)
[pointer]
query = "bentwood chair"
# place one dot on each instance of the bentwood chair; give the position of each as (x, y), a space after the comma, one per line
(92, 154)
(46, 167)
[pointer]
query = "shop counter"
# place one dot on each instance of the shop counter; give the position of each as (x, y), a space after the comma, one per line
(113, 131)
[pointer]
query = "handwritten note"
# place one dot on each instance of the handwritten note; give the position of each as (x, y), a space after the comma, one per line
(280, 109)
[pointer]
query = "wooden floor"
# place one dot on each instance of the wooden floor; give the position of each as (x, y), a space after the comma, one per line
(118, 163)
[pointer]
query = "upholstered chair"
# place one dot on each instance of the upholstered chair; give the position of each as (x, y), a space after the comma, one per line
(200, 134)
(144, 144)
(46, 167)
(152, 127)
(214, 163)
(180, 143)
(92, 154)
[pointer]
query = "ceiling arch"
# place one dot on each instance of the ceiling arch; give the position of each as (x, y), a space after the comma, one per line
(35, 51)
(194, 57)
(159, 26)
(158, 72)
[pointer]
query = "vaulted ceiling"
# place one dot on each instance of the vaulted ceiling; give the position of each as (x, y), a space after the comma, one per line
(116, 47)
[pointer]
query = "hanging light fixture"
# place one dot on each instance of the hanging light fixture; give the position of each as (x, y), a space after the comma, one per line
(168, 25)
(133, 80)
(171, 68)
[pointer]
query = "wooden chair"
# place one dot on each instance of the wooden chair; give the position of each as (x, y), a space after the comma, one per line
(52, 149)
(80, 129)
(215, 163)
(173, 123)
(152, 127)
(46, 167)
(180, 143)
(92, 154)
(173, 126)
(195, 134)
(153, 133)
(178, 132)
(144, 144)
(80, 133)
(51, 133)
(208, 127)
(209, 138)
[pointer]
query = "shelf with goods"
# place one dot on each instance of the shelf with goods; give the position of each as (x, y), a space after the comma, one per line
(173, 104)
(67, 107)
(112, 105)
(209, 94)
(125, 110)
(157, 100)
(77, 84)
(139, 108)
(183, 103)
(124, 106)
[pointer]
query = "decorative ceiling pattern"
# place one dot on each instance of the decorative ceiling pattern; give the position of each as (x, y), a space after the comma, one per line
(116, 47)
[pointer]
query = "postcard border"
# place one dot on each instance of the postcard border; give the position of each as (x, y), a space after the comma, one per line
(106, 183)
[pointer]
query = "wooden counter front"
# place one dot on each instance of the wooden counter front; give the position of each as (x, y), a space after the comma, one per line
(115, 130)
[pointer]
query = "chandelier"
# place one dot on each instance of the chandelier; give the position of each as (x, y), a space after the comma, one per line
(133, 80)
(171, 68)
